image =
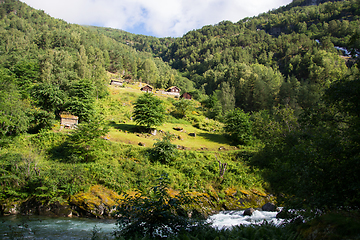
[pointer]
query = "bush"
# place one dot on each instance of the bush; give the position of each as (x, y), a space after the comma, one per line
(164, 151)
(157, 216)
(238, 126)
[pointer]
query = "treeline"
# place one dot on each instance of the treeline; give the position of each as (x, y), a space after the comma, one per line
(49, 66)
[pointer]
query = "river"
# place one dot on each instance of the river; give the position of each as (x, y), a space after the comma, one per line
(37, 227)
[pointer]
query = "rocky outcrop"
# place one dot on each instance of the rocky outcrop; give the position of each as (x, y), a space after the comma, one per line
(99, 202)
(33, 207)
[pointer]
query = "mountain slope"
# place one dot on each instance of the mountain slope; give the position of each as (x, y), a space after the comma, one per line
(284, 56)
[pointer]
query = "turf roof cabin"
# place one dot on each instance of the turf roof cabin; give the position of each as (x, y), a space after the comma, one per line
(68, 121)
(147, 88)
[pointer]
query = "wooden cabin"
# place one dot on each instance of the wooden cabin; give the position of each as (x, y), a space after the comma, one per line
(68, 120)
(186, 96)
(147, 88)
(116, 82)
(173, 89)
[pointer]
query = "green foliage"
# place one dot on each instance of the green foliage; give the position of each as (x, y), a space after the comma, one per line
(81, 141)
(238, 126)
(333, 225)
(264, 231)
(149, 111)
(13, 110)
(322, 155)
(182, 107)
(164, 151)
(81, 99)
(158, 215)
(272, 127)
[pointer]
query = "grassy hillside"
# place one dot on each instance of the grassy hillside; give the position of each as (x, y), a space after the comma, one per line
(119, 111)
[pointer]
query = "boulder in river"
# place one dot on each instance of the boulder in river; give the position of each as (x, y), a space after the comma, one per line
(270, 207)
(248, 212)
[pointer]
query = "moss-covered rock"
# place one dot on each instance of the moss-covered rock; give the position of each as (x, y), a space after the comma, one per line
(98, 202)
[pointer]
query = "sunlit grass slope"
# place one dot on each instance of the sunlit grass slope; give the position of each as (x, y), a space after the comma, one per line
(118, 110)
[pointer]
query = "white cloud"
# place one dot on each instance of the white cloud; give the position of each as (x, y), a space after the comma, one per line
(160, 18)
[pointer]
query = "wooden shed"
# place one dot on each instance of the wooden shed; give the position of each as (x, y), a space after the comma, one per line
(68, 120)
(147, 88)
(116, 82)
(173, 89)
(186, 96)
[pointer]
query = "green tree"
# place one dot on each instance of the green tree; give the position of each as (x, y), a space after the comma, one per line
(227, 97)
(238, 126)
(81, 99)
(159, 215)
(149, 111)
(81, 142)
(13, 110)
(149, 72)
(49, 97)
(182, 107)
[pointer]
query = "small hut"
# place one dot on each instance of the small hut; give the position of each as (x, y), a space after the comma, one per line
(68, 120)
(147, 88)
(186, 96)
(173, 89)
(116, 82)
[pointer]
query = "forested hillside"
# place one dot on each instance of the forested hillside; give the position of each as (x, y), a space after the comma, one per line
(284, 56)
(47, 65)
(279, 91)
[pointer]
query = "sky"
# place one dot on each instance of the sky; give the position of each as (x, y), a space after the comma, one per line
(159, 18)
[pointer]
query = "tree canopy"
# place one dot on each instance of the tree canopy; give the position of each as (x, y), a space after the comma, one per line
(149, 111)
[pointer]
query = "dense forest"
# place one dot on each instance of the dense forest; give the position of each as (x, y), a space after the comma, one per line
(281, 88)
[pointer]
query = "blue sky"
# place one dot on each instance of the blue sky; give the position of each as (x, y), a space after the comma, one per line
(160, 18)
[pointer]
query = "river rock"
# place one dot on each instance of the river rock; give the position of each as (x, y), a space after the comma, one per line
(248, 212)
(270, 207)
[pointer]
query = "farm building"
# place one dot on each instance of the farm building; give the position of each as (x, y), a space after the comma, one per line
(116, 82)
(173, 89)
(186, 96)
(68, 121)
(147, 88)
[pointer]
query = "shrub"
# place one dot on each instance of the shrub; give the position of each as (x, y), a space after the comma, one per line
(238, 126)
(164, 151)
(157, 216)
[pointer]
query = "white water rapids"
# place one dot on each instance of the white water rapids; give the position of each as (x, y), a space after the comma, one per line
(36, 227)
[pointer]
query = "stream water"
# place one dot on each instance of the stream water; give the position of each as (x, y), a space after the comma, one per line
(36, 227)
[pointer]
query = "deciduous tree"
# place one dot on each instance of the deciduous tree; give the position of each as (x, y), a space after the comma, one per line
(149, 111)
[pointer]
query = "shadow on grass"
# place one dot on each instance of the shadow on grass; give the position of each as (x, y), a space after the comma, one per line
(123, 127)
(129, 128)
(215, 138)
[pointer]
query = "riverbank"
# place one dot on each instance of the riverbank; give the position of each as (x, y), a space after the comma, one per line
(100, 202)
(40, 227)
